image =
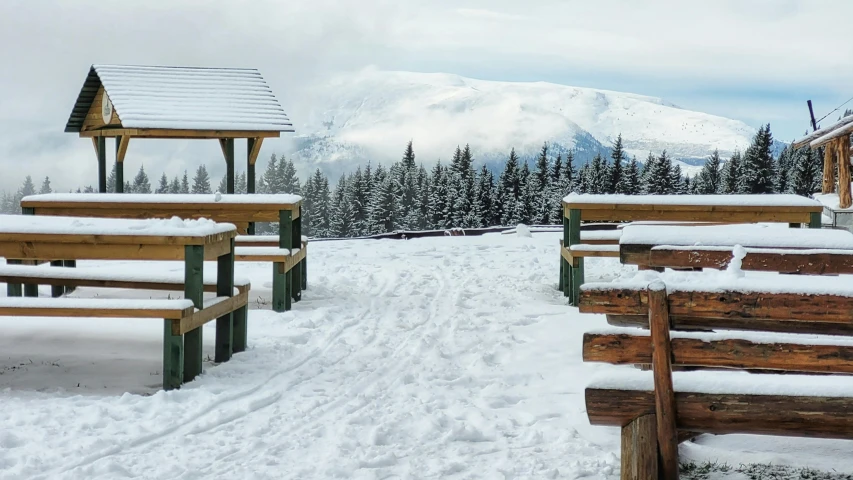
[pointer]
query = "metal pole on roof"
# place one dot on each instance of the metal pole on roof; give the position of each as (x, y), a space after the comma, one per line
(811, 113)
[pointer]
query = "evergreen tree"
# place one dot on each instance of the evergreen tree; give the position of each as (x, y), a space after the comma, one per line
(240, 186)
(805, 175)
(527, 201)
(438, 197)
(358, 195)
(582, 184)
(510, 191)
(757, 170)
(424, 219)
(730, 174)
(175, 186)
(269, 179)
(662, 178)
(709, 179)
(382, 207)
(201, 180)
(111, 180)
(185, 184)
(596, 175)
(555, 195)
(677, 180)
(287, 181)
(486, 198)
(223, 184)
(128, 188)
(540, 189)
(409, 157)
(164, 185)
(406, 187)
(140, 181)
(342, 218)
(615, 173)
(783, 170)
(631, 178)
(45, 186)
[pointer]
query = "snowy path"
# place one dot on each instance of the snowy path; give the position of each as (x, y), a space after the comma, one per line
(429, 358)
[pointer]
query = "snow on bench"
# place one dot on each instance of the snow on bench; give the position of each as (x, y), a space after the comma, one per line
(601, 235)
(772, 200)
(730, 383)
(174, 227)
(171, 198)
(264, 254)
(147, 279)
(96, 307)
(762, 236)
(260, 240)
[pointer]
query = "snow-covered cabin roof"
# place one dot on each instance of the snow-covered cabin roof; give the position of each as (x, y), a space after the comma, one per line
(827, 134)
(177, 98)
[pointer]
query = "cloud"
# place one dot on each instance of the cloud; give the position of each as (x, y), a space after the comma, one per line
(653, 47)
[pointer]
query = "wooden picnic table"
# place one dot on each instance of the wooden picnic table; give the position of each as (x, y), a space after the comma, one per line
(783, 208)
(241, 210)
(26, 237)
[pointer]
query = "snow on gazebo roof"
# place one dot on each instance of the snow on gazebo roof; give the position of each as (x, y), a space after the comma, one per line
(177, 98)
(826, 134)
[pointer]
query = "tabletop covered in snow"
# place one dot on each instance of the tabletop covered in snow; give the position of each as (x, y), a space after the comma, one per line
(174, 227)
(774, 200)
(750, 235)
(171, 198)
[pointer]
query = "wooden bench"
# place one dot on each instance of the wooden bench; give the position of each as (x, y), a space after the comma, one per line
(241, 210)
(26, 238)
(180, 319)
(656, 410)
(674, 246)
(729, 209)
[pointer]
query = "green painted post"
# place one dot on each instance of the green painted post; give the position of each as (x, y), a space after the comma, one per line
(229, 165)
(241, 332)
(30, 289)
(815, 220)
(119, 186)
(14, 289)
(193, 290)
(283, 282)
(57, 290)
(69, 264)
(250, 177)
(173, 358)
(577, 269)
(102, 164)
(225, 288)
(296, 286)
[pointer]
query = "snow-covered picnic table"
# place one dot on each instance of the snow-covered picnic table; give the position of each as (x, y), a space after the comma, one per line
(732, 209)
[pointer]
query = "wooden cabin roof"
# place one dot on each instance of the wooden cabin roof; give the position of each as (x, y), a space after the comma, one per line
(827, 134)
(182, 98)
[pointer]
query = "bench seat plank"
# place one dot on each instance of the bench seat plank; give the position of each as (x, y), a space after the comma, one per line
(107, 278)
(97, 307)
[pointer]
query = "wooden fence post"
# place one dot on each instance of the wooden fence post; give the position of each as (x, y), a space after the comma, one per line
(667, 432)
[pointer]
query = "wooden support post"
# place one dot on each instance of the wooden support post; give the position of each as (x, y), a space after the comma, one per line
(283, 282)
(57, 290)
(577, 267)
(121, 149)
(102, 164)
(229, 165)
(173, 357)
(193, 290)
(640, 449)
(296, 242)
(667, 432)
(304, 267)
(225, 288)
(842, 149)
(565, 271)
(815, 220)
(828, 185)
(14, 289)
(241, 331)
(30, 289)
(69, 264)
(252, 143)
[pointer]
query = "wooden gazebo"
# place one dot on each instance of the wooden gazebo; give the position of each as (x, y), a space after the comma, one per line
(128, 101)
(836, 157)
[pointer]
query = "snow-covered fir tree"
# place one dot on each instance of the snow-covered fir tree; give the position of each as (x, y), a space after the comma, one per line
(631, 177)
(708, 181)
(806, 173)
(45, 186)
(757, 169)
(730, 174)
(201, 180)
(615, 175)
(163, 187)
(140, 181)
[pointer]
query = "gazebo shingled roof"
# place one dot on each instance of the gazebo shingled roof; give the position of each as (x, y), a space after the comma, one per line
(126, 101)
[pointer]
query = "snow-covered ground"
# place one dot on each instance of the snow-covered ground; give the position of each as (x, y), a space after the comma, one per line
(449, 357)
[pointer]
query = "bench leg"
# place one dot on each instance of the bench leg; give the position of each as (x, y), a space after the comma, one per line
(193, 290)
(31, 290)
(577, 281)
(173, 358)
(304, 270)
(57, 290)
(567, 279)
(69, 264)
(225, 323)
(296, 284)
(280, 291)
(14, 289)
(241, 330)
(640, 449)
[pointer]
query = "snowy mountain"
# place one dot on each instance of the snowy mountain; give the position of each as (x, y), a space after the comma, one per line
(372, 114)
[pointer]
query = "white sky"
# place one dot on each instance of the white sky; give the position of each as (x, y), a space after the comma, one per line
(754, 60)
